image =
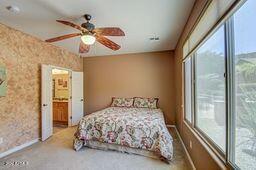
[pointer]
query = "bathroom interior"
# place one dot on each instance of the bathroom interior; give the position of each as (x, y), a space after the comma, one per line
(60, 94)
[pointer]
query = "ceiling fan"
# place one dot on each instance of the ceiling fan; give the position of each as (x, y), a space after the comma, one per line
(89, 34)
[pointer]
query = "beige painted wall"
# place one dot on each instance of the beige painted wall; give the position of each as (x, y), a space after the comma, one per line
(146, 75)
(199, 154)
(23, 55)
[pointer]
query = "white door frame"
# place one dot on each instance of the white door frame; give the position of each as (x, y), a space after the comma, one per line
(51, 101)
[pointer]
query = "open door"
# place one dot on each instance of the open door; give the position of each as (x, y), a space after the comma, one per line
(46, 104)
(77, 97)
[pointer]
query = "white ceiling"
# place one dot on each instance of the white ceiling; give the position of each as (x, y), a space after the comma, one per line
(140, 20)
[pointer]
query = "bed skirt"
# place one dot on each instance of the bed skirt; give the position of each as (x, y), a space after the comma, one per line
(78, 144)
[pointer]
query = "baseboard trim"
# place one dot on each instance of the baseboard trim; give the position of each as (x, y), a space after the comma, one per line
(17, 148)
(183, 145)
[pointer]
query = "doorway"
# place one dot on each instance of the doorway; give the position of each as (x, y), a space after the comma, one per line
(61, 99)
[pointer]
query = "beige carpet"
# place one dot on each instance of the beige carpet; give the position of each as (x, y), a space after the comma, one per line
(57, 129)
(57, 154)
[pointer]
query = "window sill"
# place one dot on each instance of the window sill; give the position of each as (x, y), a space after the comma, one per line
(212, 152)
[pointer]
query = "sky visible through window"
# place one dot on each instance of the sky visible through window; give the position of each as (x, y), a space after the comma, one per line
(245, 32)
(213, 43)
(245, 28)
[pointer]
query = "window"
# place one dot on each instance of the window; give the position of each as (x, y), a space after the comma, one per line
(244, 92)
(210, 111)
(230, 48)
(188, 89)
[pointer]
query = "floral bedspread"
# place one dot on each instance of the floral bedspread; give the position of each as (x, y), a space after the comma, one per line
(140, 128)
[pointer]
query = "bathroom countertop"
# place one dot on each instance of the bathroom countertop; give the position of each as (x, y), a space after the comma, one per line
(63, 101)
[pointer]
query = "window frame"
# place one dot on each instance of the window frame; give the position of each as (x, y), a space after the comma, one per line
(231, 85)
(227, 20)
(216, 149)
(231, 101)
(192, 91)
(207, 137)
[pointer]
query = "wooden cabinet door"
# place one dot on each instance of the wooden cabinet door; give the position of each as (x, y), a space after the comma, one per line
(55, 111)
(60, 112)
(65, 112)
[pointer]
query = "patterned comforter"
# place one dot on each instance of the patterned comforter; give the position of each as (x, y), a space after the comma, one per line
(139, 128)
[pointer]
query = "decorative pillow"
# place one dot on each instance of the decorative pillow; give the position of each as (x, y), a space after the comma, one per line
(145, 102)
(122, 102)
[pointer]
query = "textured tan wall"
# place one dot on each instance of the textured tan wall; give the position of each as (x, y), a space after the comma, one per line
(146, 75)
(199, 154)
(20, 109)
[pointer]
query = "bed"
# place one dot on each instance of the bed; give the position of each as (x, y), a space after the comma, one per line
(126, 129)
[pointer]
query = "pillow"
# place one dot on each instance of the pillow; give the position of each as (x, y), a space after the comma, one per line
(145, 102)
(122, 102)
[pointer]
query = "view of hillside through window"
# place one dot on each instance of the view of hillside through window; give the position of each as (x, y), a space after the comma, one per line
(210, 88)
(245, 86)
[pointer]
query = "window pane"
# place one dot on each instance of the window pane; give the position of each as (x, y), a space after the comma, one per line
(210, 89)
(188, 94)
(245, 86)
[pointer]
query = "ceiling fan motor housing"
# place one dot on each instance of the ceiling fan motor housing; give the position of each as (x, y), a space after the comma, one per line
(88, 26)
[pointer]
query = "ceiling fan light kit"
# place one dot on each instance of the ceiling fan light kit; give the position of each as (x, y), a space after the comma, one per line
(89, 34)
(88, 39)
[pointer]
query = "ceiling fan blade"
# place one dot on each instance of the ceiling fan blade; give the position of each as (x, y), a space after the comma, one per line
(72, 25)
(108, 43)
(109, 31)
(83, 48)
(63, 37)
